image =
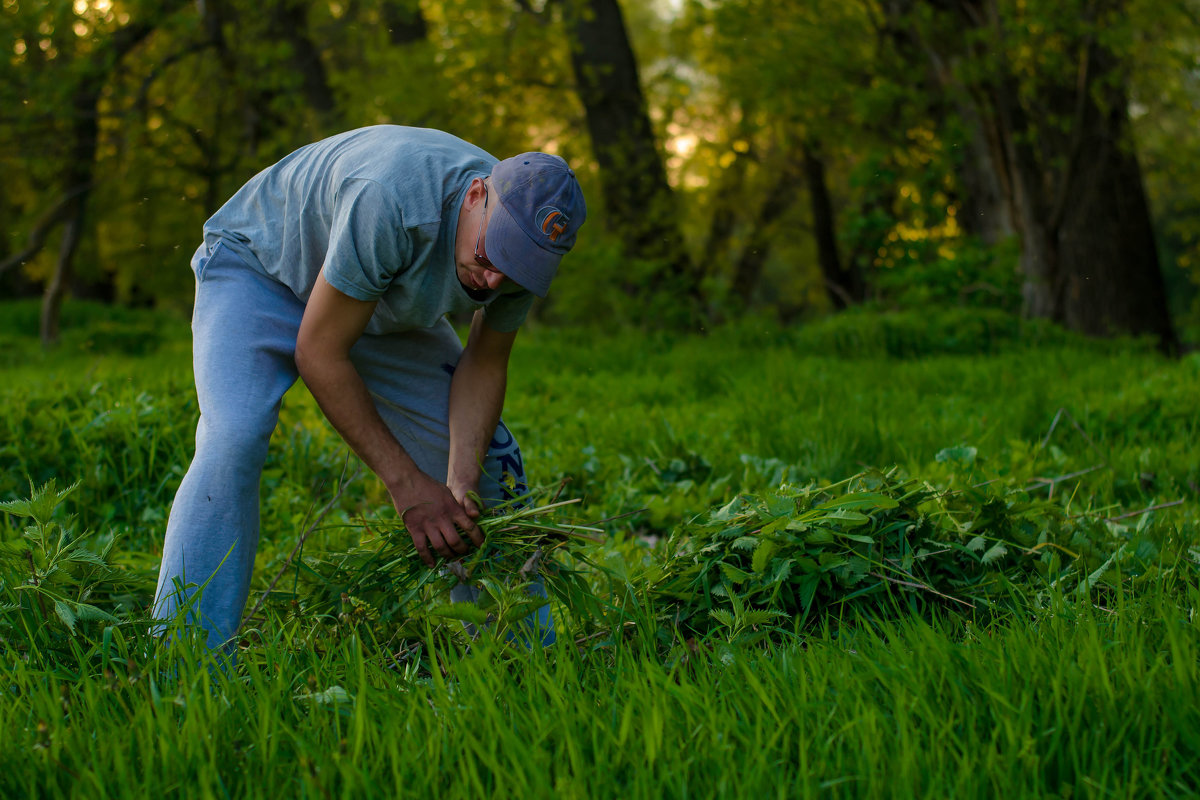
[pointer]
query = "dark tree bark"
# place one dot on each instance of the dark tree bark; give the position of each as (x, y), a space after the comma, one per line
(1074, 192)
(79, 170)
(748, 270)
(639, 202)
(843, 283)
(728, 210)
(984, 211)
(982, 191)
(405, 22)
(290, 19)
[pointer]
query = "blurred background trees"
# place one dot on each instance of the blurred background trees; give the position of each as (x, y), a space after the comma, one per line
(739, 156)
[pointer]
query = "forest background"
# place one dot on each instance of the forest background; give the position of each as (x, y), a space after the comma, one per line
(785, 159)
(825, 544)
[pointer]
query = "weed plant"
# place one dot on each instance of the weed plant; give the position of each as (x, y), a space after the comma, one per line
(853, 559)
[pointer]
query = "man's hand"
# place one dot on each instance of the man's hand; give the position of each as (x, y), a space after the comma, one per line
(463, 494)
(436, 519)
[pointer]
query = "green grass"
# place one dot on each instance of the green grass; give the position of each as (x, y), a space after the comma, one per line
(1075, 702)
(1060, 693)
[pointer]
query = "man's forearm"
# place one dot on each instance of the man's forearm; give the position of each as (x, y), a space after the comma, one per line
(346, 403)
(476, 400)
(435, 516)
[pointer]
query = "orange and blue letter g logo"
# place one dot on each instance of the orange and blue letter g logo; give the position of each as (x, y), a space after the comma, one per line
(552, 222)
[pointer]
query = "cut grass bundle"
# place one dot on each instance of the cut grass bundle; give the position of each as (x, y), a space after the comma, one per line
(382, 583)
(882, 545)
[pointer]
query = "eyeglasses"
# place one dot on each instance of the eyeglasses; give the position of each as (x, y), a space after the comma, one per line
(481, 258)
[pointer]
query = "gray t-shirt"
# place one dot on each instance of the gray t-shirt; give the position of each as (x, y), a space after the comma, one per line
(377, 208)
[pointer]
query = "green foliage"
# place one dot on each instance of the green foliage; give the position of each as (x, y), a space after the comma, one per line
(604, 285)
(88, 329)
(695, 648)
(738, 91)
(880, 545)
(53, 586)
(937, 273)
(919, 333)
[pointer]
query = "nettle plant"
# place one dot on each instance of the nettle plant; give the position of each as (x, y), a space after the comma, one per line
(53, 580)
(881, 544)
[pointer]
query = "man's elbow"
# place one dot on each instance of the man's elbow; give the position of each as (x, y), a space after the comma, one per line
(308, 359)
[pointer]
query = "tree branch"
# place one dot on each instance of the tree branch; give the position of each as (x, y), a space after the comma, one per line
(41, 229)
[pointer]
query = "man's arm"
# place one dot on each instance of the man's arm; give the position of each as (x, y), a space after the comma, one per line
(476, 399)
(331, 325)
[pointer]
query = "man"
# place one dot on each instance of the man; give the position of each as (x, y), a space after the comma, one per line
(338, 265)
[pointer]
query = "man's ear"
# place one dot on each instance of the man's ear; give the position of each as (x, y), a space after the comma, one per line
(476, 190)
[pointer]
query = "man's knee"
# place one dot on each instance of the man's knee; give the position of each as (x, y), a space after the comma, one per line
(233, 442)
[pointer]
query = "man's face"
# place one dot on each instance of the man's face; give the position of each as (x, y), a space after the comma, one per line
(475, 271)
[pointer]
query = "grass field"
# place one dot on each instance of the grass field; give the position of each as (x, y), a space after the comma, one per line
(948, 555)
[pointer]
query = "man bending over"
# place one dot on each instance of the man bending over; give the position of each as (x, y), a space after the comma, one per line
(339, 265)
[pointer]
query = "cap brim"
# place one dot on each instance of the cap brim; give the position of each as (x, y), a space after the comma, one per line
(517, 256)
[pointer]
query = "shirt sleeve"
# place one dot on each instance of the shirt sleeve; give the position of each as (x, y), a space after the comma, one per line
(368, 245)
(508, 311)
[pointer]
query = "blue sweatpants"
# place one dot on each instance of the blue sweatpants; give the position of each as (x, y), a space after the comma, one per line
(244, 329)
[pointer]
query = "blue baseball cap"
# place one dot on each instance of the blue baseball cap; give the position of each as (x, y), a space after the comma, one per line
(534, 224)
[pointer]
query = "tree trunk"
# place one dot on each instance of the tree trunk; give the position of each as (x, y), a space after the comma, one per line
(52, 296)
(748, 270)
(1074, 192)
(638, 201)
(984, 211)
(77, 180)
(1108, 284)
(982, 191)
(291, 24)
(844, 284)
(79, 171)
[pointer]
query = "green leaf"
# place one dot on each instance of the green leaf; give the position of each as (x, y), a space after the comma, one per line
(977, 544)
(831, 560)
(995, 552)
(82, 556)
(65, 614)
(819, 536)
(334, 695)
(723, 616)
(760, 616)
(857, 537)
(854, 570)
(807, 565)
(734, 574)
(730, 510)
(852, 518)
(86, 612)
(762, 555)
(781, 506)
(14, 547)
(808, 590)
(41, 503)
(860, 500)
(783, 569)
(745, 543)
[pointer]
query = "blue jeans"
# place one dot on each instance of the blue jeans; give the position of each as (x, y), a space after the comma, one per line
(244, 329)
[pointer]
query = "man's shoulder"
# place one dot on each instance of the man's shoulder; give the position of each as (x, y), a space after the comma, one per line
(423, 171)
(382, 151)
